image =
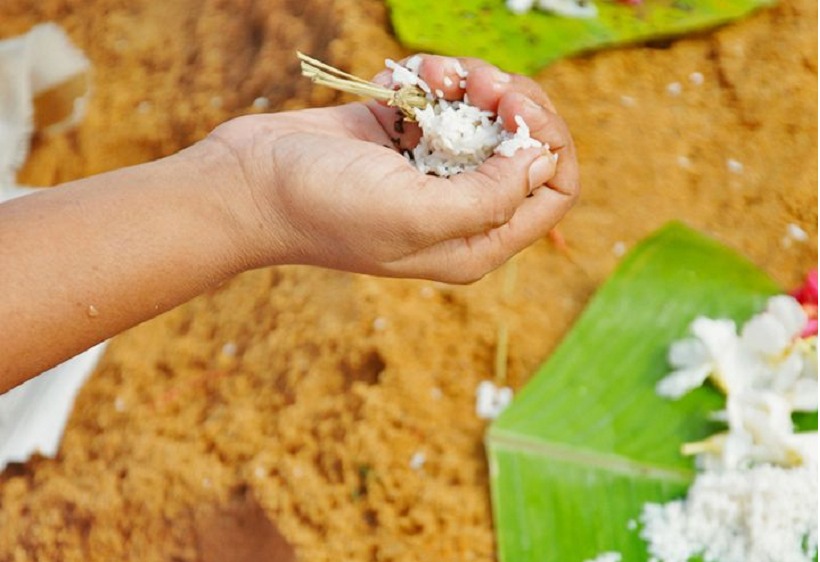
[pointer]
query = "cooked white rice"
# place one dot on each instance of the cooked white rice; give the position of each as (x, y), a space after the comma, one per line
(456, 136)
(765, 514)
(408, 75)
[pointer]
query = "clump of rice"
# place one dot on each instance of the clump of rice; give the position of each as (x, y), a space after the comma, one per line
(408, 75)
(456, 136)
(491, 400)
(764, 514)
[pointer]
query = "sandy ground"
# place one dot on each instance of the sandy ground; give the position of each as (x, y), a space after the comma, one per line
(177, 449)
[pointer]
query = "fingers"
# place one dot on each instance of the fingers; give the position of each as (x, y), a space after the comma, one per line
(548, 128)
(487, 85)
(471, 203)
(484, 83)
(446, 75)
(532, 221)
(452, 78)
(473, 222)
(466, 260)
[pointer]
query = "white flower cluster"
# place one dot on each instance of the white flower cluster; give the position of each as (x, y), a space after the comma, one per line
(767, 372)
(755, 498)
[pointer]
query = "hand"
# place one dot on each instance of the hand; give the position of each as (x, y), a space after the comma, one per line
(323, 187)
(327, 187)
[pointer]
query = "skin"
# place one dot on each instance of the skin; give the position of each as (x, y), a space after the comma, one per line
(323, 187)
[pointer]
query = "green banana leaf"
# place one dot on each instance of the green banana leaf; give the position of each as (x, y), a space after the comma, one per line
(587, 442)
(525, 43)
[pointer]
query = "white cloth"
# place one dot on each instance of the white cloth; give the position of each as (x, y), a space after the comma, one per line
(33, 415)
(41, 59)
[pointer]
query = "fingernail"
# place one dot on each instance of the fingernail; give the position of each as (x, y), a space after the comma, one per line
(500, 77)
(541, 171)
(531, 105)
(383, 78)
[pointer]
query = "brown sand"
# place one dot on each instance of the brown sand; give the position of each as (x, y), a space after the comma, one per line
(313, 422)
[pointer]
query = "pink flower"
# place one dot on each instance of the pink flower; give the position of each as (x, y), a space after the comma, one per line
(807, 296)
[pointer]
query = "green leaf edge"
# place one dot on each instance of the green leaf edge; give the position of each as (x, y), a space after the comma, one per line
(498, 435)
(615, 25)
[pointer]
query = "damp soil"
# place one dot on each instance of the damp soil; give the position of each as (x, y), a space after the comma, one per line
(299, 434)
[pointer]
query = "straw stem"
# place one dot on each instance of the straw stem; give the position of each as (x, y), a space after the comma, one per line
(406, 99)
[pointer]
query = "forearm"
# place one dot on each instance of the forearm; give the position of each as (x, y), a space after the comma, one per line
(88, 259)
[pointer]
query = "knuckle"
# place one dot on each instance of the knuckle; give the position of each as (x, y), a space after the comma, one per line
(503, 211)
(469, 276)
(479, 195)
(463, 272)
(529, 84)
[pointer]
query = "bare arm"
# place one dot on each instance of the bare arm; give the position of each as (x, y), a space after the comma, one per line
(91, 258)
(326, 187)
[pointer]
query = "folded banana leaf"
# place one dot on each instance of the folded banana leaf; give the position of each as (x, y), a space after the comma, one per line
(587, 442)
(525, 43)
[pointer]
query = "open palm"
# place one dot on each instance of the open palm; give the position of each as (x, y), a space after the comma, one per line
(329, 187)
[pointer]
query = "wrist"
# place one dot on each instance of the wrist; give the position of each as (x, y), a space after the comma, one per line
(200, 188)
(217, 178)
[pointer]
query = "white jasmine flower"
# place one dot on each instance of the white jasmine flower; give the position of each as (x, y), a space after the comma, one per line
(712, 352)
(773, 331)
(783, 361)
(767, 373)
(761, 430)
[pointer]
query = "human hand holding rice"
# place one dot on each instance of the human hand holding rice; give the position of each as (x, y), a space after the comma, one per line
(483, 169)
(447, 190)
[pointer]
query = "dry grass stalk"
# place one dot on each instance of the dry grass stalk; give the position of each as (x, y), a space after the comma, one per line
(405, 99)
(502, 339)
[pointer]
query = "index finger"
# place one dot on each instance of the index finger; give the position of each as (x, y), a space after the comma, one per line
(484, 83)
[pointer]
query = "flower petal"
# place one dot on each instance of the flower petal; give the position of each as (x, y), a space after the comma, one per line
(718, 336)
(789, 312)
(677, 383)
(804, 395)
(787, 371)
(765, 334)
(806, 443)
(687, 353)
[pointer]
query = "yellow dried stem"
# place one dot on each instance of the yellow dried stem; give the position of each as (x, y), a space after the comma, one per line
(502, 340)
(713, 444)
(405, 99)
